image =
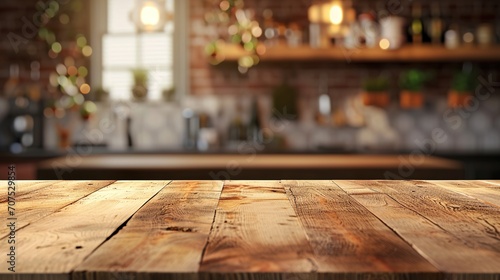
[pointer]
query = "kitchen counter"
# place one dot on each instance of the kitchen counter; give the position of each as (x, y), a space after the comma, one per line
(254, 230)
(247, 167)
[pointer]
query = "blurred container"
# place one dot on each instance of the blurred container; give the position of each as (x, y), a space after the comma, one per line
(392, 29)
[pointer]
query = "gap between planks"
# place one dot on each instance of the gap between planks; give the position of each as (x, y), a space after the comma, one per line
(447, 228)
(36, 200)
(59, 242)
(165, 237)
(256, 230)
(347, 237)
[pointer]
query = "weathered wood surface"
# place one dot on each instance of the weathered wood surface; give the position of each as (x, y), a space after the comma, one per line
(59, 242)
(167, 235)
(256, 230)
(36, 200)
(455, 233)
(346, 236)
(484, 191)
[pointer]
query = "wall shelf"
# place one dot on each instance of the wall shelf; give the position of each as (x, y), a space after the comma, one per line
(409, 53)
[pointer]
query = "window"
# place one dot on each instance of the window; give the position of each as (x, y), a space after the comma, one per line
(124, 49)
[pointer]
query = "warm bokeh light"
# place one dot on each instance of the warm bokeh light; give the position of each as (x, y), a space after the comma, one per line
(384, 44)
(261, 49)
(72, 71)
(83, 71)
(81, 41)
(57, 47)
(257, 31)
(468, 37)
(87, 51)
(224, 5)
(329, 13)
(336, 14)
(150, 15)
(61, 69)
(85, 89)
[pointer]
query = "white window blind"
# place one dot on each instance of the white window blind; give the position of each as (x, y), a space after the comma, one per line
(124, 49)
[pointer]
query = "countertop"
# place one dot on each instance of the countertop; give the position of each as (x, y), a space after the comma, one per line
(248, 167)
(253, 230)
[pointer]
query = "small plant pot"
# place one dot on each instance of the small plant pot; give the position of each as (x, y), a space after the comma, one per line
(411, 99)
(379, 99)
(458, 99)
(140, 92)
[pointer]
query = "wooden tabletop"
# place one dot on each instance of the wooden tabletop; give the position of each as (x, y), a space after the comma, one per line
(248, 167)
(253, 230)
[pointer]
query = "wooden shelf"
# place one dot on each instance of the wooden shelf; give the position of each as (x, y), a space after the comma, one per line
(427, 53)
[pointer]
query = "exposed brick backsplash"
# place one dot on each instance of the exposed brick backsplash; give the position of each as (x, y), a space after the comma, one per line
(262, 78)
(12, 13)
(345, 79)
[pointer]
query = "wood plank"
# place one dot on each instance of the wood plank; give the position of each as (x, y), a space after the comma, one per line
(257, 230)
(407, 53)
(59, 242)
(25, 187)
(456, 234)
(496, 183)
(36, 200)
(474, 189)
(167, 236)
(346, 237)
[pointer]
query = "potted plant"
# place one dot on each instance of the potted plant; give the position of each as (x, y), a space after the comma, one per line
(412, 82)
(375, 92)
(463, 84)
(140, 88)
(101, 95)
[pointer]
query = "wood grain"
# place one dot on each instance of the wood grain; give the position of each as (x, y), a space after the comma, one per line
(483, 191)
(346, 237)
(24, 187)
(456, 234)
(496, 183)
(36, 200)
(59, 242)
(167, 236)
(257, 230)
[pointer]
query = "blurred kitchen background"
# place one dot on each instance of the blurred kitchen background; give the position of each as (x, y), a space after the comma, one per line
(384, 77)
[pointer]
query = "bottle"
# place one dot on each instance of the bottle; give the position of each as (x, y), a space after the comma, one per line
(237, 129)
(435, 26)
(269, 28)
(416, 27)
(254, 126)
(324, 102)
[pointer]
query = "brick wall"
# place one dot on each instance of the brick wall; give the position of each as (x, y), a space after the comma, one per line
(342, 76)
(477, 129)
(19, 42)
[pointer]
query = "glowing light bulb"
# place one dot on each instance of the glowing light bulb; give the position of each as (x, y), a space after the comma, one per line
(150, 15)
(336, 14)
